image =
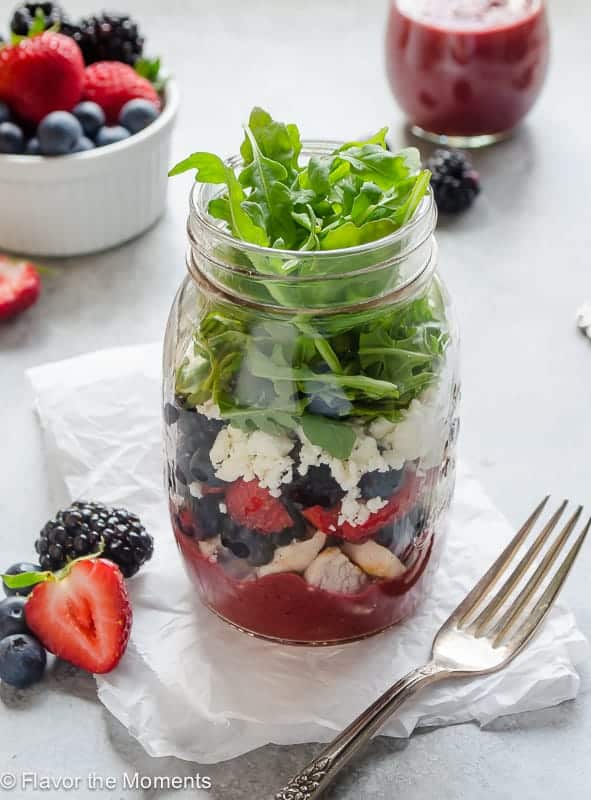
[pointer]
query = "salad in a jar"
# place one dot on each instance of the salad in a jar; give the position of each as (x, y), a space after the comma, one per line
(310, 387)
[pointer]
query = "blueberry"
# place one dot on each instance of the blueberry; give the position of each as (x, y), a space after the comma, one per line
(5, 115)
(198, 429)
(137, 115)
(201, 469)
(209, 517)
(12, 616)
(380, 484)
(22, 660)
(33, 148)
(12, 140)
(111, 135)
(18, 569)
(283, 538)
(84, 144)
(385, 537)
(330, 406)
(240, 549)
(171, 414)
(262, 550)
(316, 487)
(58, 133)
(90, 116)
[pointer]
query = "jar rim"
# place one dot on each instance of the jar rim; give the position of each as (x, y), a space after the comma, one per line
(198, 202)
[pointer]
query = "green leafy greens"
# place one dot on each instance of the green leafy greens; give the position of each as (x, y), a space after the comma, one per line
(359, 193)
(280, 373)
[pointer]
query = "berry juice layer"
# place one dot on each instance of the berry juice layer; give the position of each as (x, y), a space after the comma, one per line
(467, 67)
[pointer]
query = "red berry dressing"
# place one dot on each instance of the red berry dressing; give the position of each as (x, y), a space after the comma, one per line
(467, 68)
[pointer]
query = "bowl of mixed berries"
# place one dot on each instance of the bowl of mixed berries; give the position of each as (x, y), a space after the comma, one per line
(85, 125)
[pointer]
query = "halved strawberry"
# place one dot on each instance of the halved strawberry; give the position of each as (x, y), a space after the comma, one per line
(83, 614)
(20, 286)
(250, 504)
(326, 519)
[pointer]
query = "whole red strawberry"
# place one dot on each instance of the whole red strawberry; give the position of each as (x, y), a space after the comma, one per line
(112, 84)
(82, 614)
(41, 74)
(20, 286)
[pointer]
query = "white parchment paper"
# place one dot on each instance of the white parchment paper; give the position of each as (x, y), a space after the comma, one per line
(190, 686)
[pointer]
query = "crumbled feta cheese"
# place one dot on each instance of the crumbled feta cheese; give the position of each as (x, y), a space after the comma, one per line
(357, 512)
(196, 489)
(365, 457)
(223, 508)
(237, 454)
(419, 435)
(209, 409)
(375, 504)
(334, 572)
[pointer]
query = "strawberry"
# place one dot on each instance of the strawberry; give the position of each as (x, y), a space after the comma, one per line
(112, 84)
(41, 74)
(20, 286)
(82, 614)
(250, 504)
(326, 519)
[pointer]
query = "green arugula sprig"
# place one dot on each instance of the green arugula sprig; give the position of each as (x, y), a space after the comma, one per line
(359, 193)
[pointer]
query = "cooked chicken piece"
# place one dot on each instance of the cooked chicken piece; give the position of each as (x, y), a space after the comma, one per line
(294, 557)
(374, 559)
(333, 571)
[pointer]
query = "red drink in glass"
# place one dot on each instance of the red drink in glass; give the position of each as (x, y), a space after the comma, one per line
(466, 72)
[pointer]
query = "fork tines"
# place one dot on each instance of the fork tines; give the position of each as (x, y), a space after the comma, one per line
(513, 612)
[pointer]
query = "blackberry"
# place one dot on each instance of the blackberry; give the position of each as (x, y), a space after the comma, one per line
(25, 14)
(455, 183)
(78, 530)
(380, 484)
(316, 488)
(108, 37)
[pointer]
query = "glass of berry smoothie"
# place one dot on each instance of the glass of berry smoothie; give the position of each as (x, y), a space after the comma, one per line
(310, 388)
(466, 72)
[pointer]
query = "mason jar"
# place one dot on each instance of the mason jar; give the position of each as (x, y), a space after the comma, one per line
(310, 416)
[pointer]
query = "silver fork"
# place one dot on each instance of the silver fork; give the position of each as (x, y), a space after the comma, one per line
(483, 634)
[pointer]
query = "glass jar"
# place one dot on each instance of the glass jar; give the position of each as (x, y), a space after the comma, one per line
(310, 419)
(466, 72)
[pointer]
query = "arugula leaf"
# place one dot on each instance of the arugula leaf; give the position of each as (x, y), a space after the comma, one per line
(336, 438)
(277, 141)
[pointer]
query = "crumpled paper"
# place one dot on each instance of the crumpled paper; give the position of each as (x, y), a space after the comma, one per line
(191, 686)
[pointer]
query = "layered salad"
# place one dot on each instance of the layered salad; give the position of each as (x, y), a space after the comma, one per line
(309, 453)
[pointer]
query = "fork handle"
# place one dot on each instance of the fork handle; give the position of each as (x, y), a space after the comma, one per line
(318, 773)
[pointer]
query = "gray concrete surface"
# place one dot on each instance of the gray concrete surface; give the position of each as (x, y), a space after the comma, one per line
(518, 266)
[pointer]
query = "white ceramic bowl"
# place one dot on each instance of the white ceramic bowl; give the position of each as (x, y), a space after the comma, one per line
(70, 205)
